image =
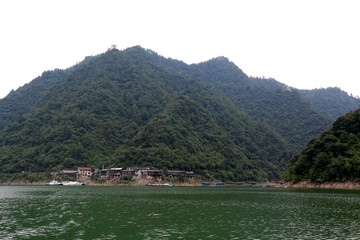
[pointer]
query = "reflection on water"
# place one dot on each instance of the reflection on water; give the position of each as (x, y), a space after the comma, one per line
(45, 212)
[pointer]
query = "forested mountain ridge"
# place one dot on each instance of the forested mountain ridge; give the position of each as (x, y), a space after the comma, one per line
(266, 100)
(334, 156)
(279, 107)
(333, 101)
(134, 107)
(19, 102)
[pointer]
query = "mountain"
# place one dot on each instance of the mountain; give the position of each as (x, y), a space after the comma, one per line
(332, 156)
(266, 100)
(278, 106)
(19, 102)
(136, 108)
(333, 101)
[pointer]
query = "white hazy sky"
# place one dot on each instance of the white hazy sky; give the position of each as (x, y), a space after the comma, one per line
(303, 43)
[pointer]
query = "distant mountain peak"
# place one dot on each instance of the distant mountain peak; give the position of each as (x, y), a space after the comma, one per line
(134, 107)
(220, 59)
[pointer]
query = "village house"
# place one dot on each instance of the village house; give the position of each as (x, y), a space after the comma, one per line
(115, 173)
(84, 171)
(138, 171)
(104, 174)
(152, 173)
(177, 173)
(71, 174)
(133, 173)
(129, 173)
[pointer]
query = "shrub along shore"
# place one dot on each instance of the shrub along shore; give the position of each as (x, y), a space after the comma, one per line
(325, 185)
(34, 179)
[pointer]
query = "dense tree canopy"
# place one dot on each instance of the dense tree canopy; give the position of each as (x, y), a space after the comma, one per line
(333, 156)
(333, 101)
(136, 108)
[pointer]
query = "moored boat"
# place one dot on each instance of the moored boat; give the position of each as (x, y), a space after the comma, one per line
(160, 184)
(55, 183)
(73, 183)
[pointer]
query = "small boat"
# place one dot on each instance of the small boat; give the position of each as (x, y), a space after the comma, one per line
(72, 183)
(160, 184)
(55, 183)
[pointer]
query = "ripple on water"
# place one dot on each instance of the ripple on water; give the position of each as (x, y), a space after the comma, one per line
(177, 213)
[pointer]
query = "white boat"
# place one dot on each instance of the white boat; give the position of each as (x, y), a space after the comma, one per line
(160, 184)
(72, 183)
(55, 183)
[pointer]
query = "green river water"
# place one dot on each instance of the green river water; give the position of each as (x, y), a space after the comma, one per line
(88, 212)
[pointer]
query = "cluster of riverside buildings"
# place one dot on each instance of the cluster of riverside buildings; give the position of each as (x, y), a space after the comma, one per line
(133, 173)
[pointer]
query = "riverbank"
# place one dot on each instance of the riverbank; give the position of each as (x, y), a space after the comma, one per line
(144, 182)
(326, 185)
(138, 182)
(23, 183)
(301, 184)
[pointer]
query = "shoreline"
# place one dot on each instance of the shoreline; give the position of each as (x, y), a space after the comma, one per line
(325, 185)
(21, 182)
(297, 185)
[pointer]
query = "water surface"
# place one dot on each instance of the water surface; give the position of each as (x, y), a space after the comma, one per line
(60, 212)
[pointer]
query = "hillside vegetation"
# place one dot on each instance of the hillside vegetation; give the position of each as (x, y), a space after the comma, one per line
(332, 156)
(333, 101)
(136, 108)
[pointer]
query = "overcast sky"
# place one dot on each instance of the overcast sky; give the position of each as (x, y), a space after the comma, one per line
(303, 43)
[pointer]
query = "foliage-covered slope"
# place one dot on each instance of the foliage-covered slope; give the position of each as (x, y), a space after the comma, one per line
(136, 108)
(122, 108)
(193, 135)
(333, 101)
(20, 101)
(333, 156)
(81, 118)
(268, 101)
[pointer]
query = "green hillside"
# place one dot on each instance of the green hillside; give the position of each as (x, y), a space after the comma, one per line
(333, 156)
(19, 102)
(333, 101)
(136, 108)
(277, 106)
(266, 100)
